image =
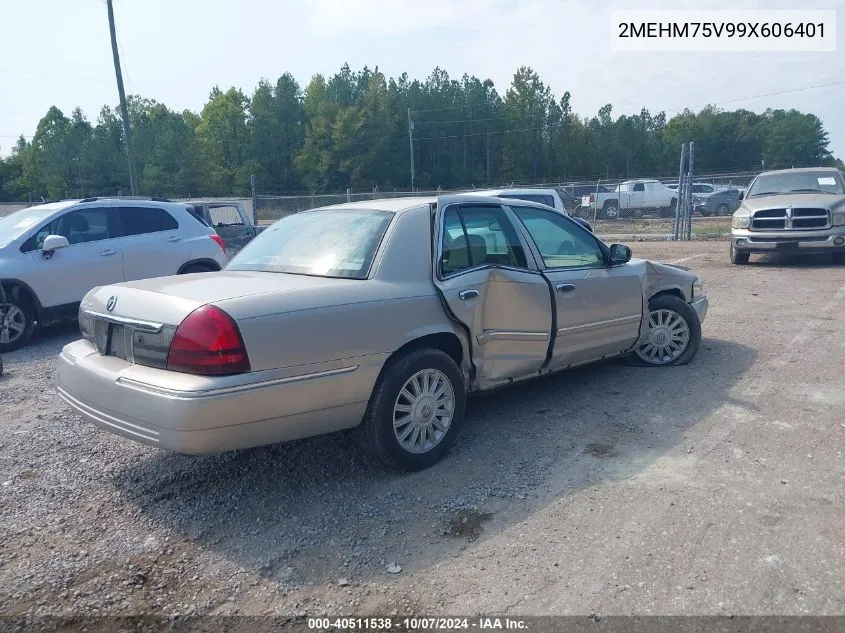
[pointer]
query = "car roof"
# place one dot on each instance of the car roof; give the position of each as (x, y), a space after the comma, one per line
(401, 205)
(512, 190)
(54, 206)
(833, 170)
(222, 202)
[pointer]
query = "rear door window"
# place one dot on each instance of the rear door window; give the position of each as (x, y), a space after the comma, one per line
(479, 235)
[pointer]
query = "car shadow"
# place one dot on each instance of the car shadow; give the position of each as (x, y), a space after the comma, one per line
(45, 342)
(315, 510)
(793, 260)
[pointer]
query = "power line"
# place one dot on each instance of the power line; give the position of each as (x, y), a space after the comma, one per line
(460, 107)
(713, 103)
(767, 94)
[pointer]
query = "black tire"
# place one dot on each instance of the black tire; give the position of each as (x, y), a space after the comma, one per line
(610, 210)
(722, 209)
(738, 257)
(197, 268)
(24, 314)
(673, 205)
(839, 258)
(685, 311)
(379, 434)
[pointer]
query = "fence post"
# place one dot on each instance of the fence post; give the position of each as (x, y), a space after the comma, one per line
(596, 203)
(679, 201)
(349, 194)
(252, 195)
(689, 190)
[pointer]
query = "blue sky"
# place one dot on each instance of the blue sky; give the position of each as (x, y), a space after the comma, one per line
(58, 52)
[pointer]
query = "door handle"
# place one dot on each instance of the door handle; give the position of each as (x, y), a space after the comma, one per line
(564, 288)
(468, 294)
(107, 252)
(173, 238)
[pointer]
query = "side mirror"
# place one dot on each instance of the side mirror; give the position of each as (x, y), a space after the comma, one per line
(619, 254)
(741, 194)
(54, 242)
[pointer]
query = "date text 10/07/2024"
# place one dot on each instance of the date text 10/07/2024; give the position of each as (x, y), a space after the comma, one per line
(416, 624)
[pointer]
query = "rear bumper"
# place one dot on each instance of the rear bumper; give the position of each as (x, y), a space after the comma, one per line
(830, 240)
(118, 397)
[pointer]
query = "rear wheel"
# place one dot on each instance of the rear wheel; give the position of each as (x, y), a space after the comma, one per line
(198, 268)
(610, 210)
(416, 410)
(674, 333)
(722, 209)
(17, 322)
(738, 257)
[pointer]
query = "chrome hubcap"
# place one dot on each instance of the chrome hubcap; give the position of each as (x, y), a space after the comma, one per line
(668, 338)
(423, 411)
(12, 323)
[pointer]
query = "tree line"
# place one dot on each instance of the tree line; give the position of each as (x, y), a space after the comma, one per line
(352, 130)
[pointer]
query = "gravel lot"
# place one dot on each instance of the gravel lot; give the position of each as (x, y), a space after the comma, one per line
(714, 488)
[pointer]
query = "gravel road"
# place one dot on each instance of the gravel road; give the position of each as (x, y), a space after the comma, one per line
(714, 488)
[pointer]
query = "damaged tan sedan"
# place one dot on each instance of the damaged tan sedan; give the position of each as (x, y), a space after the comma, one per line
(383, 314)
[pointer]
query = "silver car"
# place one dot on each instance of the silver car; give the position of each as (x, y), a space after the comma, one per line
(383, 314)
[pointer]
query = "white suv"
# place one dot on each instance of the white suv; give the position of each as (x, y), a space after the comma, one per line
(52, 254)
(549, 197)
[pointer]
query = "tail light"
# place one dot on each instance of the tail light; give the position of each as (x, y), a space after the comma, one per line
(219, 241)
(592, 198)
(208, 342)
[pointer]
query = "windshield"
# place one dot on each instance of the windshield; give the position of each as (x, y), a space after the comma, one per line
(16, 224)
(797, 182)
(321, 243)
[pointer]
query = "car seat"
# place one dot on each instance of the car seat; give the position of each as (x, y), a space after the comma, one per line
(77, 229)
(477, 249)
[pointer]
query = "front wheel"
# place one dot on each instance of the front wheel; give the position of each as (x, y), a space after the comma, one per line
(17, 322)
(738, 257)
(674, 333)
(416, 410)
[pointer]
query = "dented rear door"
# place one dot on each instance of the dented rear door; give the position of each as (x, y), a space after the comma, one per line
(489, 282)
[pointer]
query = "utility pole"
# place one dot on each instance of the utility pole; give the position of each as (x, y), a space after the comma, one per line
(130, 152)
(411, 144)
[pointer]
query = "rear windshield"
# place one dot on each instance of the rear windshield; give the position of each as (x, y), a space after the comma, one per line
(196, 214)
(340, 243)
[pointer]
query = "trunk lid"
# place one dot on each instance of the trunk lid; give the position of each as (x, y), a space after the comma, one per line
(168, 300)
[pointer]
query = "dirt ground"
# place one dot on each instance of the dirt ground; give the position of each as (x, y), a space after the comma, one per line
(714, 488)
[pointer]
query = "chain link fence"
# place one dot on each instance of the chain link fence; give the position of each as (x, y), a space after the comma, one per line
(633, 209)
(622, 208)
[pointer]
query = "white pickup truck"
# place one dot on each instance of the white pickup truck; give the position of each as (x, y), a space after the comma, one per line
(634, 198)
